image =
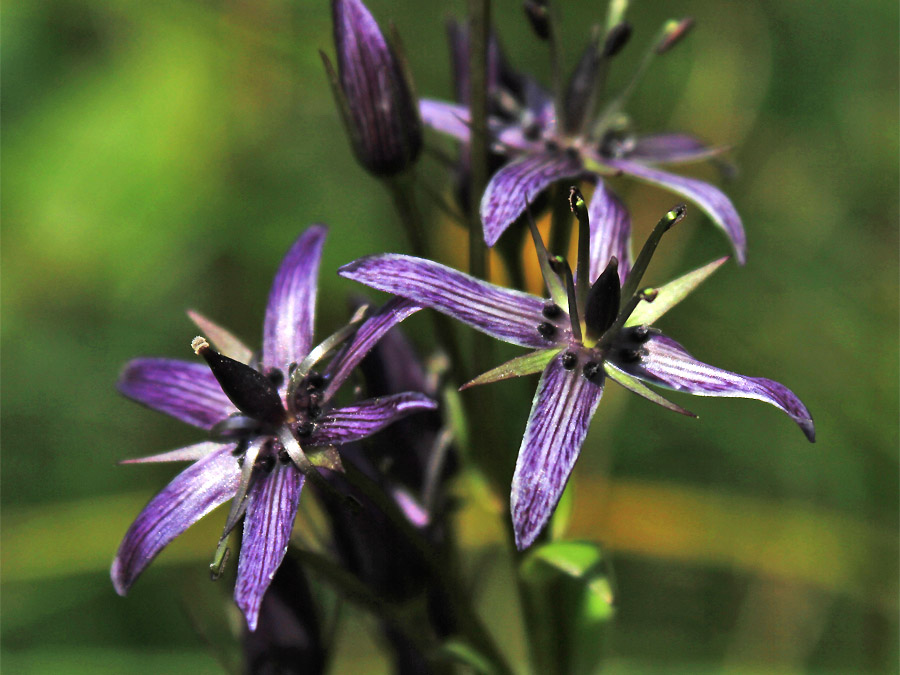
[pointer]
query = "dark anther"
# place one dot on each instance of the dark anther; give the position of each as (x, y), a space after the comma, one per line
(240, 448)
(551, 311)
(284, 457)
(266, 462)
(640, 333)
(314, 380)
(552, 146)
(569, 361)
(303, 430)
(313, 411)
(593, 372)
(631, 355)
(572, 153)
(276, 377)
(547, 330)
(532, 131)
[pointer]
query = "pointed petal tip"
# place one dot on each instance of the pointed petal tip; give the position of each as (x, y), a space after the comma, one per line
(119, 582)
(808, 429)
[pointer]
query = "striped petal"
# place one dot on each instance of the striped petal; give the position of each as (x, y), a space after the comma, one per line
(268, 523)
(363, 419)
(671, 149)
(366, 337)
(502, 313)
(519, 183)
(610, 232)
(709, 198)
(191, 495)
(448, 118)
(186, 391)
(560, 414)
(668, 364)
(288, 326)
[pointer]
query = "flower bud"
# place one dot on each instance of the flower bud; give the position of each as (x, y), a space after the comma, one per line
(374, 92)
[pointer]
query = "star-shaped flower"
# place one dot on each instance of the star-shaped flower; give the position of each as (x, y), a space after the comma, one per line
(271, 419)
(582, 335)
(589, 138)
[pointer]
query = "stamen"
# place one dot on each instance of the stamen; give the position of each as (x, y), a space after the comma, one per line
(561, 266)
(673, 33)
(631, 355)
(551, 311)
(276, 377)
(250, 391)
(555, 287)
(569, 361)
(327, 345)
(646, 295)
(583, 261)
(643, 259)
(547, 330)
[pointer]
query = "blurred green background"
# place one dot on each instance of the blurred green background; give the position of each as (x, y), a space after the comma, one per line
(160, 156)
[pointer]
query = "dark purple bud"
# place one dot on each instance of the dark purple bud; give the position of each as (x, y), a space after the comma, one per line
(288, 637)
(538, 17)
(251, 392)
(374, 92)
(673, 32)
(603, 301)
(616, 39)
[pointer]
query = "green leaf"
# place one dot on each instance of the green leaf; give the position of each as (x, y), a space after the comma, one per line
(646, 313)
(569, 603)
(633, 384)
(526, 364)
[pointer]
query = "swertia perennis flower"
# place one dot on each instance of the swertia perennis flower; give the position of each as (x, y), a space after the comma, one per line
(546, 140)
(585, 333)
(271, 422)
(373, 91)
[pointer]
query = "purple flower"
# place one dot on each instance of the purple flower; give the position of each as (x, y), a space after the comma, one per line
(271, 421)
(543, 145)
(373, 91)
(585, 333)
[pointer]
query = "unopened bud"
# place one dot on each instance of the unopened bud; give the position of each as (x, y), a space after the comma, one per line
(373, 92)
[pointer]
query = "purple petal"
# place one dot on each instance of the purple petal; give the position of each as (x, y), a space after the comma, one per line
(712, 200)
(447, 118)
(191, 495)
(288, 327)
(610, 232)
(669, 365)
(267, 531)
(518, 183)
(186, 391)
(191, 453)
(366, 337)
(502, 313)
(363, 419)
(560, 414)
(671, 149)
